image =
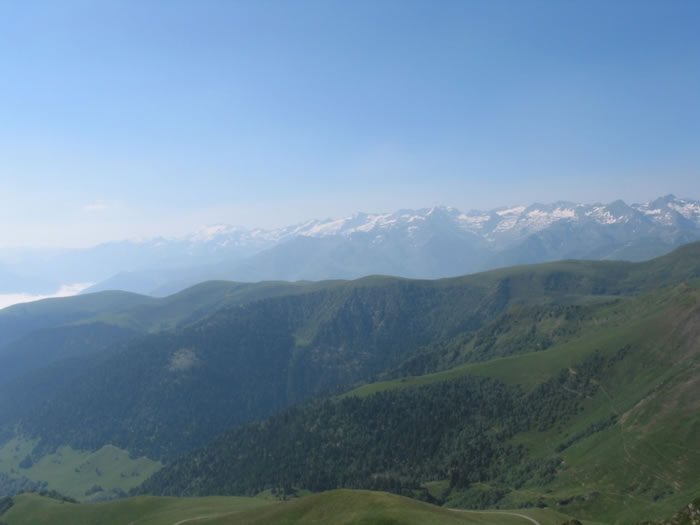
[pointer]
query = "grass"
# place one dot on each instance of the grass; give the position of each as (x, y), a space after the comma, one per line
(145, 510)
(338, 507)
(640, 470)
(645, 466)
(73, 472)
(350, 507)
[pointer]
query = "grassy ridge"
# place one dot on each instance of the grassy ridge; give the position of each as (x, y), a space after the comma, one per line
(341, 507)
(31, 509)
(346, 507)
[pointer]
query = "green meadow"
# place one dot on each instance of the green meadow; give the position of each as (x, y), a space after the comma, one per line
(77, 474)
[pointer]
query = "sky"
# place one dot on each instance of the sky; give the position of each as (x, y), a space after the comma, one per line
(131, 119)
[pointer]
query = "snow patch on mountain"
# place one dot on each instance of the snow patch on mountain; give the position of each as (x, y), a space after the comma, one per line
(602, 215)
(501, 223)
(209, 233)
(325, 228)
(377, 221)
(511, 211)
(689, 210)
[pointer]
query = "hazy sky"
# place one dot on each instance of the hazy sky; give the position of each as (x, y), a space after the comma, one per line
(135, 118)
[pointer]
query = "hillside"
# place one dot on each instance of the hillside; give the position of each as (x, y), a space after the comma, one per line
(332, 508)
(32, 509)
(45, 332)
(22, 319)
(51, 342)
(576, 427)
(347, 507)
(133, 311)
(288, 342)
(47, 345)
(224, 354)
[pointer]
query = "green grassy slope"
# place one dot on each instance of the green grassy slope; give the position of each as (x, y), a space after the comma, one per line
(679, 265)
(82, 475)
(31, 509)
(341, 507)
(647, 463)
(347, 507)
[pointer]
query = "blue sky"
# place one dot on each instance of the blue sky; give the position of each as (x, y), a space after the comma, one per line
(136, 118)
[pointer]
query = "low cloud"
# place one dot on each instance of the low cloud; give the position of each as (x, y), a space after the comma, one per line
(95, 207)
(100, 206)
(66, 290)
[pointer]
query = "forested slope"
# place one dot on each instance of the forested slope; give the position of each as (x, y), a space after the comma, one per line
(180, 388)
(489, 437)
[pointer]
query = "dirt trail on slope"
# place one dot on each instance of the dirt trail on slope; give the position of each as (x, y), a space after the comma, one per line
(199, 518)
(528, 518)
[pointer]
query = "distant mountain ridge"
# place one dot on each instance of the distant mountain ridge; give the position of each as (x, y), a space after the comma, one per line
(493, 225)
(425, 243)
(429, 243)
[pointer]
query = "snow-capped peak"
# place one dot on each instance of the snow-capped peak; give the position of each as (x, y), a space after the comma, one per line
(209, 233)
(501, 223)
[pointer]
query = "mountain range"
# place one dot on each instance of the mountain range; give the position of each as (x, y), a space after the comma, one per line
(425, 243)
